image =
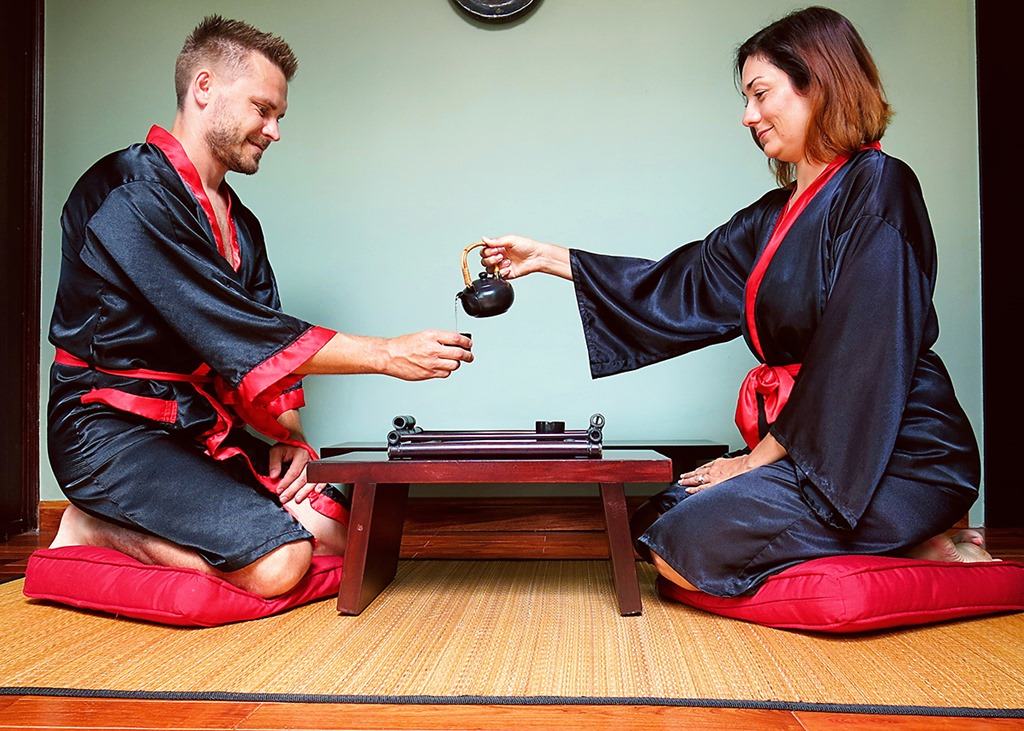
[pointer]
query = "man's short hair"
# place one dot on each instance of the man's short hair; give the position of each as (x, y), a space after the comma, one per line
(227, 43)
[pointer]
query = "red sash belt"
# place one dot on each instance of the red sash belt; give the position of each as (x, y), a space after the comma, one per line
(232, 411)
(773, 384)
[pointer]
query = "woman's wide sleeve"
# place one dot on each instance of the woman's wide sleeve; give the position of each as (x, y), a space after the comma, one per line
(843, 416)
(636, 312)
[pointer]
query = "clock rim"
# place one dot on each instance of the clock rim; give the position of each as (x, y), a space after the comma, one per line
(478, 10)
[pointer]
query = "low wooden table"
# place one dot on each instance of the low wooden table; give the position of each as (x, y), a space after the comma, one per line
(381, 489)
(684, 453)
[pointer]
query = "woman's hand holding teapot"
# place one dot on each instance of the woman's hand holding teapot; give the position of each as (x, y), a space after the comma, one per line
(517, 256)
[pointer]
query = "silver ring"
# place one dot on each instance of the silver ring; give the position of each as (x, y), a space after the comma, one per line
(701, 479)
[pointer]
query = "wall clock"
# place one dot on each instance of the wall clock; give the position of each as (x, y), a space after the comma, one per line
(495, 11)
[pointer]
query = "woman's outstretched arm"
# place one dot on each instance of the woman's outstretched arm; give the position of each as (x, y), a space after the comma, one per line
(517, 256)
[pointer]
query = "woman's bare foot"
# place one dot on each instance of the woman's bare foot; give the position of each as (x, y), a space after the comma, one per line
(671, 574)
(969, 536)
(966, 546)
(75, 529)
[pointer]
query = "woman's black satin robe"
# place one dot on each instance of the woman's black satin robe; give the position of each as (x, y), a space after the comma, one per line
(848, 295)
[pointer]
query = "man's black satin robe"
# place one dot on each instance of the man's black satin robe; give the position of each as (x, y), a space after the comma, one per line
(145, 287)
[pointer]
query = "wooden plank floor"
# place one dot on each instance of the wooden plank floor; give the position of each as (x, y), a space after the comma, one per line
(502, 529)
(24, 712)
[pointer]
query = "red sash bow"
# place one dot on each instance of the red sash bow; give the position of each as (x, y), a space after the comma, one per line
(773, 384)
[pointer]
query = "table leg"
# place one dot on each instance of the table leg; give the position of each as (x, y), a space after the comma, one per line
(374, 541)
(620, 547)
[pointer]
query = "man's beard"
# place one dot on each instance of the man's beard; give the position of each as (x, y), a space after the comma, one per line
(226, 144)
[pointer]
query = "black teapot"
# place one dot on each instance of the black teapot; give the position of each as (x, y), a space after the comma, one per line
(487, 296)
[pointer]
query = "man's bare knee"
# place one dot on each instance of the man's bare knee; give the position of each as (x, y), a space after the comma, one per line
(277, 572)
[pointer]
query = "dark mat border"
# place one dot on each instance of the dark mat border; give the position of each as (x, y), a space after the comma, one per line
(536, 700)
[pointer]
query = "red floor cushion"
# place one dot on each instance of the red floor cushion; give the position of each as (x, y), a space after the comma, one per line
(109, 581)
(862, 593)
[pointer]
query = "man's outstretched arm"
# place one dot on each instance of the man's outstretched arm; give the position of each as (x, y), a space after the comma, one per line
(414, 357)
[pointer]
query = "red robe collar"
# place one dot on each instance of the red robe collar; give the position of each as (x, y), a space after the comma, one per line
(782, 226)
(773, 383)
(175, 153)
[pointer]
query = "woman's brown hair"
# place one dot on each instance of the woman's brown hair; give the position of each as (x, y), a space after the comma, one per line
(826, 60)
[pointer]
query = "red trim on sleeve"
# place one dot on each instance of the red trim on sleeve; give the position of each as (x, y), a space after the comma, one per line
(175, 153)
(287, 401)
(283, 363)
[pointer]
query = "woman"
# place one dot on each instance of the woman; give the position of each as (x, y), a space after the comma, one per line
(855, 440)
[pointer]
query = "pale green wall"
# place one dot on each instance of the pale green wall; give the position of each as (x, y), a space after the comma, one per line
(598, 123)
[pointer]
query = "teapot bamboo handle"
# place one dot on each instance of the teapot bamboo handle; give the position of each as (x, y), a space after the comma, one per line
(465, 264)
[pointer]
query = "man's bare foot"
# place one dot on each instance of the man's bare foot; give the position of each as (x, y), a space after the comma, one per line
(966, 546)
(74, 530)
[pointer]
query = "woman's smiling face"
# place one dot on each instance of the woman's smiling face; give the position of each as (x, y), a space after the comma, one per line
(776, 113)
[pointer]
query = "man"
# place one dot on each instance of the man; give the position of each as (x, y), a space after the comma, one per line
(170, 339)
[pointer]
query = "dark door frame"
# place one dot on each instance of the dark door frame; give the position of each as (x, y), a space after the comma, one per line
(21, 232)
(998, 140)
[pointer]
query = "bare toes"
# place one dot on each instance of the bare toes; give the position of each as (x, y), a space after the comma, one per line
(971, 552)
(969, 536)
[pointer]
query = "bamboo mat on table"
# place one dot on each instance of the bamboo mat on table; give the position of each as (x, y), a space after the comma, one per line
(514, 632)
